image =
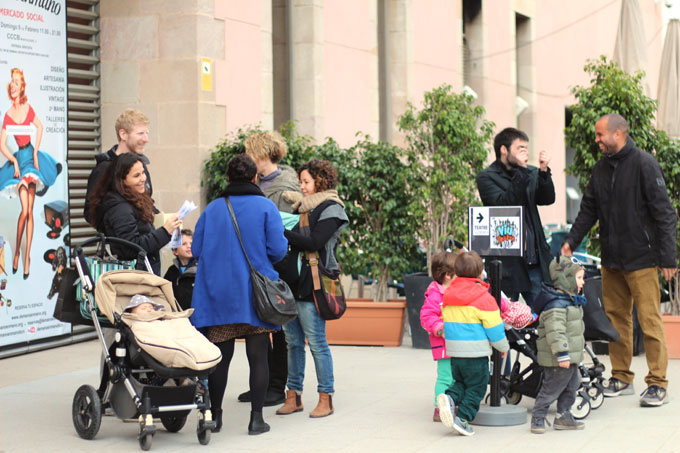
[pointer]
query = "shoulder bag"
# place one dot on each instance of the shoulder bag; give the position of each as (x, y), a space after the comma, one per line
(273, 300)
(329, 296)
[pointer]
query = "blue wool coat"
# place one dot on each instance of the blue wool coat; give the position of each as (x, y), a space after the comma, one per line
(223, 292)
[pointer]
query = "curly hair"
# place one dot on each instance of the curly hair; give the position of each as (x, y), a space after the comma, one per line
(113, 180)
(22, 93)
(266, 145)
(323, 172)
(241, 168)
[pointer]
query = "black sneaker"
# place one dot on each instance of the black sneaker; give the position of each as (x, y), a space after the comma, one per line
(567, 421)
(653, 396)
(617, 387)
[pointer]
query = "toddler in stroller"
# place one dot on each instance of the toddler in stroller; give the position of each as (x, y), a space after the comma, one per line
(158, 364)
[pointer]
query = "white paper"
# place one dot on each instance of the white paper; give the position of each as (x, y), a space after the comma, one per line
(187, 207)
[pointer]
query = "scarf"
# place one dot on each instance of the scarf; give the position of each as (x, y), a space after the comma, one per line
(312, 201)
(242, 188)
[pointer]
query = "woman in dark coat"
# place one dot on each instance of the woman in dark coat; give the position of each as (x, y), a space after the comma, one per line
(327, 219)
(223, 297)
(122, 208)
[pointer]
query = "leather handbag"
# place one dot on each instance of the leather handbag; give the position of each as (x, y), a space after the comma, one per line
(329, 297)
(273, 301)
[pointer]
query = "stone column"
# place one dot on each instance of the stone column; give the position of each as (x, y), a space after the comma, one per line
(307, 61)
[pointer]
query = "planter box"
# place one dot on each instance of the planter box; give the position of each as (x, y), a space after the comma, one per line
(368, 323)
(671, 325)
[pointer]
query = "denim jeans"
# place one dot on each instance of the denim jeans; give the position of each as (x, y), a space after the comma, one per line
(308, 325)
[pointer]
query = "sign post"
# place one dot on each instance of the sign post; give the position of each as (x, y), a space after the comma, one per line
(497, 231)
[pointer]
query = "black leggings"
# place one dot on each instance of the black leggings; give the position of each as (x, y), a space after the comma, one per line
(256, 350)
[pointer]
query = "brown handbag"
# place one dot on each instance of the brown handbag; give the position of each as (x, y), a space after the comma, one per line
(329, 296)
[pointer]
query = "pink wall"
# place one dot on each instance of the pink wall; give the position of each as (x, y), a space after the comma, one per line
(350, 71)
(437, 42)
(237, 79)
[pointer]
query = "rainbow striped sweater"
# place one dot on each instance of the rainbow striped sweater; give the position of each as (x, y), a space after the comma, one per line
(472, 321)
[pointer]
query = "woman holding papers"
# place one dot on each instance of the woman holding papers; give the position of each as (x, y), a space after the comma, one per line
(28, 171)
(121, 207)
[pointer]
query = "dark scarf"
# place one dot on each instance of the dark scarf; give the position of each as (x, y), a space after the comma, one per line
(242, 188)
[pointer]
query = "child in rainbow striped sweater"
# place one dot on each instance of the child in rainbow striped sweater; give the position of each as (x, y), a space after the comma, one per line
(472, 324)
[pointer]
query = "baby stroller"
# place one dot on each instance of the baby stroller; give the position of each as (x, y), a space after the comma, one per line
(527, 381)
(134, 384)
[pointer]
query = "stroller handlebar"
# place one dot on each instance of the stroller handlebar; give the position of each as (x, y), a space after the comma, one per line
(103, 240)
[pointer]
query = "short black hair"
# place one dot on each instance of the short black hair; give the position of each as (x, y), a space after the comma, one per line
(241, 168)
(506, 137)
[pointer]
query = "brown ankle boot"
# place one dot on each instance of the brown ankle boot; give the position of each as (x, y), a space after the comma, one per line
(324, 408)
(293, 403)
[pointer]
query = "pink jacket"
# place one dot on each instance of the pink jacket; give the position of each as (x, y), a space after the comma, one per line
(431, 319)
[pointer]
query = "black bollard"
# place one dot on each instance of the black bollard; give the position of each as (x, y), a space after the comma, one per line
(495, 268)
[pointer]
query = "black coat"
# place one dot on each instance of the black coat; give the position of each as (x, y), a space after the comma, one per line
(321, 231)
(182, 282)
(117, 217)
(628, 195)
(529, 188)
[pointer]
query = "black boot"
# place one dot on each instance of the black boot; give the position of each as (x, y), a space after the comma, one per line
(257, 424)
(217, 416)
(244, 397)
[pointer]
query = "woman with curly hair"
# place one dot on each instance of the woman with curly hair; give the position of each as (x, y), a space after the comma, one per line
(121, 207)
(327, 219)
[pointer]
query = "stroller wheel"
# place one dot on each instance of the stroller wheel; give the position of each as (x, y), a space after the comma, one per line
(581, 407)
(145, 441)
(513, 397)
(203, 435)
(86, 412)
(173, 424)
(596, 397)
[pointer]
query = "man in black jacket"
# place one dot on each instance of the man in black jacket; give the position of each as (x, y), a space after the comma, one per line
(628, 196)
(132, 130)
(511, 181)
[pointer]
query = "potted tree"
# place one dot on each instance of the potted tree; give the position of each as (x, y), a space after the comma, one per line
(614, 90)
(447, 144)
(379, 242)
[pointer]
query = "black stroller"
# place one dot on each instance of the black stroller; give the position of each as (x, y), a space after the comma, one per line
(527, 381)
(134, 384)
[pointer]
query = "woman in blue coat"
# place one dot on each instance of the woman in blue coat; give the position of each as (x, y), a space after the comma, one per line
(223, 297)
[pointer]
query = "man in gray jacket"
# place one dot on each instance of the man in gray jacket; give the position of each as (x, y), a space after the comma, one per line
(628, 196)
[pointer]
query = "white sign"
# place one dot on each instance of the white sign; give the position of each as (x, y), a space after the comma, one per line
(506, 233)
(480, 221)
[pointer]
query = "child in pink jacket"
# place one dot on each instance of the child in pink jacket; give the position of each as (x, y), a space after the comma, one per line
(431, 320)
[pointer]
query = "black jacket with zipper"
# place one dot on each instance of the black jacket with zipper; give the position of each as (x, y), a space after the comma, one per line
(628, 195)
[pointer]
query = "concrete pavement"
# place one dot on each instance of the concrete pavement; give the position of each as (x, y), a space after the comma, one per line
(383, 402)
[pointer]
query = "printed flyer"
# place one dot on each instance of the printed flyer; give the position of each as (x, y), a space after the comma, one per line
(34, 217)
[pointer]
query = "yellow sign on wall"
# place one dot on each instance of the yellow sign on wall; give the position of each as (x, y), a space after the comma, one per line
(206, 74)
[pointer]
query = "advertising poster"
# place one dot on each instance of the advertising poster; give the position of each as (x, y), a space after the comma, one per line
(34, 220)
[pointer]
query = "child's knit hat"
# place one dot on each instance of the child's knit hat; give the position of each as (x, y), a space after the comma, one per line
(139, 299)
(563, 270)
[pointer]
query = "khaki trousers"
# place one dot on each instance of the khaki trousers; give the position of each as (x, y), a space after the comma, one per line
(620, 290)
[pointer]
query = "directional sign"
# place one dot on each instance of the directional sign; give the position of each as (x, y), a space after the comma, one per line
(496, 230)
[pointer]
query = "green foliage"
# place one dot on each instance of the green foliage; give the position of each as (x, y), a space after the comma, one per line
(380, 240)
(447, 146)
(215, 168)
(612, 90)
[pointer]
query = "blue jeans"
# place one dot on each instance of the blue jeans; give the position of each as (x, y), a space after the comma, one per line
(308, 325)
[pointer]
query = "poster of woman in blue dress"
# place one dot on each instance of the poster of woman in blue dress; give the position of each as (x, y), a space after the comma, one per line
(29, 170)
